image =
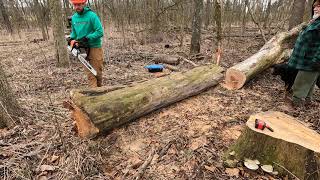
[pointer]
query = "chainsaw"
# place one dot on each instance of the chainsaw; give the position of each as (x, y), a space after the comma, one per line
(82, 58)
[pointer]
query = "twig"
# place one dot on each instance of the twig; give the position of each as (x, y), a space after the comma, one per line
(5, 110)
(144, 166)
(258, 24)
(188, 61)
(164, 150)
(286, 170)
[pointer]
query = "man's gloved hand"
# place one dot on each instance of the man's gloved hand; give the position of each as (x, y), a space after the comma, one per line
(85, 39)
(74, 44)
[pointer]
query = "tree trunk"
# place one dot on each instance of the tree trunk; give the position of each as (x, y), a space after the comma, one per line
(266, 17)
(292, 145)
(217, 16)
(40, 19)
(99, 110)
(297, 13)
(9, 108)
(208, 14)
(244, 16)
(6, 17)
(58, 34)
(238, 75)
(196, 27)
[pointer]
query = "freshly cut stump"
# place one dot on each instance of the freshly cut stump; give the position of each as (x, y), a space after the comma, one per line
(292, 148)
(268, 55)
(102, 109)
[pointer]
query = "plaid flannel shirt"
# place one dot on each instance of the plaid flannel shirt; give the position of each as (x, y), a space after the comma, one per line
(306, 52)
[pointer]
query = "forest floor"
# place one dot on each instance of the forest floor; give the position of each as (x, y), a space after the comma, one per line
(188, 138)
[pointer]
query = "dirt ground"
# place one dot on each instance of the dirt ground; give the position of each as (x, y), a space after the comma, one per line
(188, 138)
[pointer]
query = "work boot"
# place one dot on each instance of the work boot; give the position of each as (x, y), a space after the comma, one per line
(297, 104)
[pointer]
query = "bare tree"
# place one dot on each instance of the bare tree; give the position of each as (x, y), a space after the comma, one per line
(6, 17)
(40, 19)
(297, 13)
(58, 33)
(9, 108)
(217, 16)
(196, 27)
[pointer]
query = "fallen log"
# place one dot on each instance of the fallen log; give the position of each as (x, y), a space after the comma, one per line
(168, 59)
(100, 111)
(292, 147)
(241, 73)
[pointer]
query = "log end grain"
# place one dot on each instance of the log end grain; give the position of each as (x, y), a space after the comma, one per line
(234, 79)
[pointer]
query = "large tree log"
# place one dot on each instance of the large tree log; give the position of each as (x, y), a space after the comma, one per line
(99, 110)
(292, 147)
(238, 75)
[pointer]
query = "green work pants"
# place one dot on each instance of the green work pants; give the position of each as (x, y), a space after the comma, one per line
(304, 85)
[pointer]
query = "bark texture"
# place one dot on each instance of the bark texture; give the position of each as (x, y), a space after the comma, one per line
(58, 34)
(9, 108)
(5, 17)
(292, 145)
(269, 54)
(102, 109)
(297, 13)
(196, 27)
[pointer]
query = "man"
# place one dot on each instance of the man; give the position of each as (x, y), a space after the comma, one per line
(306, 58)
(87, 30)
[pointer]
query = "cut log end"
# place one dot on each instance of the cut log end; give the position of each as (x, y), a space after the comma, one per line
(234, 79)
(85, 128)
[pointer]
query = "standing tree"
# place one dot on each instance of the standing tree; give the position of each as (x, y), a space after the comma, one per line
(5, 17)
(196, 27)
(217, 17)
(297, 13)
(41, 19)
(58, 33)
(9, 108)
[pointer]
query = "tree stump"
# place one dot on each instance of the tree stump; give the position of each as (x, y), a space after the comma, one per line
(102, 109)
(292, 147)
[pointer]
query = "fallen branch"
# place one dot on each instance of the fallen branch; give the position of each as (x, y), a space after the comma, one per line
(144, 166)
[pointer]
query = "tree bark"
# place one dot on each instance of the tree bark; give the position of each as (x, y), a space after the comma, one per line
(196, 27)
(297, 13)
(168, 59)
(9, 108)
(40, 19)
(292, 145)
(58, 34)
(217, 16)
(6, 17)
(239, 74)
(99, 110)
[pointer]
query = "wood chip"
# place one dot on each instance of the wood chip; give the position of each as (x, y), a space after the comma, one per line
(210, 168)
(233, 172)
(47, 168)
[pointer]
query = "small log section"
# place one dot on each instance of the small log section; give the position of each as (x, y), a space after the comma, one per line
(102, 109)
(292, 146)
(241, 73)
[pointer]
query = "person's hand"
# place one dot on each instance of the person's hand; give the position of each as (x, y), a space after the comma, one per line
(85, 39)
(74, 44)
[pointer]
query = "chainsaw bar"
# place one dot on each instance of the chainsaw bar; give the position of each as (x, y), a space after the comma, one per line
(76, 53)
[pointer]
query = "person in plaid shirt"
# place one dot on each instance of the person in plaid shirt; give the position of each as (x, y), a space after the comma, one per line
(306, 58)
